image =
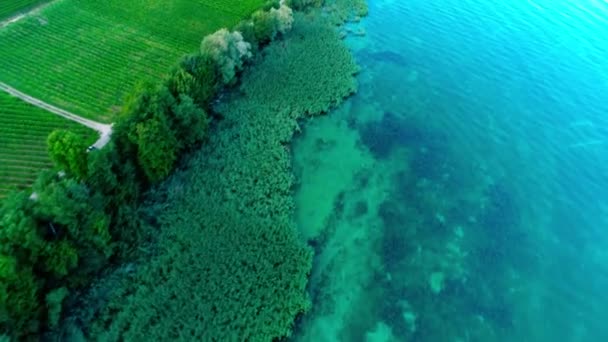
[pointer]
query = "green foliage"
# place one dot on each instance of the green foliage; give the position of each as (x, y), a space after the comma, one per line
(67, 150)
(19, 235)
(20, 309)
(228, 50)
(60, 258)
(69, 210)
(189, 122)
(57, 235)
(114, 181)
(144, 132)
(156, 147)
(8, 267)
(20, 247)
(181, 82)
(230, 265)
(157, 127)
(271, 4)
(54, 300)
(119, 44)
(203, 82)
(264, 26)
(310, 75)
(304, 4)
(24, 130)
(50, 242)
(284, 18)
(247, 30)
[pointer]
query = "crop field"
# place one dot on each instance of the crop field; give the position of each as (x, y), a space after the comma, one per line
(84, 56)
(23, 132)
(9, 8)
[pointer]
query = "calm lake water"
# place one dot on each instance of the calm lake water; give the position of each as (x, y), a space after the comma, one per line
(462, 194)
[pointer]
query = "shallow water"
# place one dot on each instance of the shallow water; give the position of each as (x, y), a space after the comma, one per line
(461, 195)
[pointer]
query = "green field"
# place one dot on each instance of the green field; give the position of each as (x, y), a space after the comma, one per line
(85, 55)
(9, 8)
(23, 132)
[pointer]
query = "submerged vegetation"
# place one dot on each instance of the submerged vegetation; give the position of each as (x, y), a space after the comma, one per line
(218, 255)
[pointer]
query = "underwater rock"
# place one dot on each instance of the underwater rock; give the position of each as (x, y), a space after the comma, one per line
(361, 209)
(436, 282)
(360, 32)
(381, 333)
(381, 137)
(393, 248)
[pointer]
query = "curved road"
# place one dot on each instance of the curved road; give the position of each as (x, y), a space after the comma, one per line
(105, 131)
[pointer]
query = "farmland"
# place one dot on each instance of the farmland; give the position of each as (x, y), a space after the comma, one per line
(23, 132)
(9, 8)
(84, 56)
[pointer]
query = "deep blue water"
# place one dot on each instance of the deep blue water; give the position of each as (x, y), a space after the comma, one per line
(520, 87)
(501, 108)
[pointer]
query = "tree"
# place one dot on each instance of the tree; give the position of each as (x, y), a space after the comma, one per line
(195, 77)
(144, 131)
(21, 249)
(265, 26)
(303, 4)
(228, 50)
(181, 82)
(58, 236)
(284, 18)
(247, 30)
(157, 147)
(72, 220)
(67, 150)
(190, 123)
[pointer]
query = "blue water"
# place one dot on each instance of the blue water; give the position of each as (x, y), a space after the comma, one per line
(499, 109)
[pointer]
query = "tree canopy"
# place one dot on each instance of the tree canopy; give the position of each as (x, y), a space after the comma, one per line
(67, 150)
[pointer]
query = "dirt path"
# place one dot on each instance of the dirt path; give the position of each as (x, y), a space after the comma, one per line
(105, 131)
(16, 18)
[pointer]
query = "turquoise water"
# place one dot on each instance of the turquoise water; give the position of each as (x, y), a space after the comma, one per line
(462, 194)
